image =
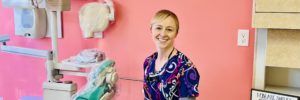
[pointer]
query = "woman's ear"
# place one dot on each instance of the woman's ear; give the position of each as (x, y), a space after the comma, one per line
(176, 34)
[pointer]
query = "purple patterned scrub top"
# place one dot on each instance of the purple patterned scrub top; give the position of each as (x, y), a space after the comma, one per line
(178, 78)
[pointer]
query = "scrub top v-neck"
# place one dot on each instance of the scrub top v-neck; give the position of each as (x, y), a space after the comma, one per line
(178, 78)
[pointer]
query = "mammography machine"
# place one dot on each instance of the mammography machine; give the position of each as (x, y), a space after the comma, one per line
(102, 75)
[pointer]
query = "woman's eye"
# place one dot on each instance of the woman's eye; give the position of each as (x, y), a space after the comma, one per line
(158, 28)
(170, 30)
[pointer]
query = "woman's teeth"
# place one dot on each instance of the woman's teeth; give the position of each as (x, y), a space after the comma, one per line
(162, 39)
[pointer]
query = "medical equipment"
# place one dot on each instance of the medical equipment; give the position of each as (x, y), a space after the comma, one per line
(27, 51)
(31, 18)
(30, 22)
(54, 89)
(23, 51)
(58, 5)
(102, 76)
(95, 17)
(101, 81)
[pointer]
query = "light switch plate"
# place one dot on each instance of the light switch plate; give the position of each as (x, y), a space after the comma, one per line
(243, 37)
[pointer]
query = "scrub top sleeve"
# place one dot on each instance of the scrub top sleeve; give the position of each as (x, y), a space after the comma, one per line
(188, 81)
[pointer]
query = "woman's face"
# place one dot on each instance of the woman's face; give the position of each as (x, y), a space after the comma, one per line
(164, 33)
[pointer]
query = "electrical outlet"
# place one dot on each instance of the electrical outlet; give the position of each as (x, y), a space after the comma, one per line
(243, 37)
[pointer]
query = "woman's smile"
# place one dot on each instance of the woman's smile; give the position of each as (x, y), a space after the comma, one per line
(162, 39)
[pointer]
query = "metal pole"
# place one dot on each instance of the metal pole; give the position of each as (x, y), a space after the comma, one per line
(54, 36)
(51, 63)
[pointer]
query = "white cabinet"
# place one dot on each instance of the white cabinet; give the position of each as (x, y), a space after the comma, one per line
(277, 5)
(277, 46)
(281, 14)
(277, 61)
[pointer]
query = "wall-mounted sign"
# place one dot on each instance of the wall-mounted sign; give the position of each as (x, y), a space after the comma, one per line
(266, 95)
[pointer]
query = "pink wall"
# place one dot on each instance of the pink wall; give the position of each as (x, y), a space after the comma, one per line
(207, 36)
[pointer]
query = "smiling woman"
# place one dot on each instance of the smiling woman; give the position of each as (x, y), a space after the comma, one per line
(168, 73)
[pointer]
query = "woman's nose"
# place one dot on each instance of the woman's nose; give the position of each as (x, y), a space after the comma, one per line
(163, 32)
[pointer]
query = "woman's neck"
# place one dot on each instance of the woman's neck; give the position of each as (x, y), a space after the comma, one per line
(164, 54)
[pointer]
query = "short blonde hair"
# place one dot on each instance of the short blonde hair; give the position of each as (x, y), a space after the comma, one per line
(162, 15)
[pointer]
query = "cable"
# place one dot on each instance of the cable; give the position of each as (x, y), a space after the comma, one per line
(129, 79)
